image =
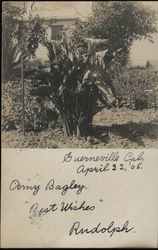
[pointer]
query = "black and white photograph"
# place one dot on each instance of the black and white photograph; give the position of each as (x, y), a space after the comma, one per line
(79, 74)
(79, 124)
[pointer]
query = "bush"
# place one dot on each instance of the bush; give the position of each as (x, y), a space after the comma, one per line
(136, 88)
(35, 115)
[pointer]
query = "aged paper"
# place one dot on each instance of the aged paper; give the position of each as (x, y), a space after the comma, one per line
(79, 124)
(44, 192)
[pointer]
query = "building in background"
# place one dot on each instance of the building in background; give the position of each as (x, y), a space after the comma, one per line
(59, 17)
(152, 65)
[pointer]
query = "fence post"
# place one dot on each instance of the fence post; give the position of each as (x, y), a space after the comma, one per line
(23, 93)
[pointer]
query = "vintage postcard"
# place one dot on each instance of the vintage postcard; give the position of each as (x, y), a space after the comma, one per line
(79, 124)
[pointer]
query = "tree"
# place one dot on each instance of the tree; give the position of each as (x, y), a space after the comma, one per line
(19, 38)
(121, 22)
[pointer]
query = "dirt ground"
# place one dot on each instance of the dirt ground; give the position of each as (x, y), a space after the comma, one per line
(121, 128)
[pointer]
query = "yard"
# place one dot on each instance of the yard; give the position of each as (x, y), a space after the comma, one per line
(87, 67)
(113, 128)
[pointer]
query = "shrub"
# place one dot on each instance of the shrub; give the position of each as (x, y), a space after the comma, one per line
(35, 115)
(135, 88)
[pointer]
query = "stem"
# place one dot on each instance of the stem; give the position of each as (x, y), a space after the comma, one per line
(63, 118)
(78, 131)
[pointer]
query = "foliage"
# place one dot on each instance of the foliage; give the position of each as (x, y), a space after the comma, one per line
(20, 38)
(83, 72)
(35, 117)
(121, 22)
(75, 84)
(136, 89)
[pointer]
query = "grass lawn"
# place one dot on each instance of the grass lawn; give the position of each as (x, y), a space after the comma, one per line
(120, 128)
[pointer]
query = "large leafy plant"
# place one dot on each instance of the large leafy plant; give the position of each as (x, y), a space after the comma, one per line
(75, 84)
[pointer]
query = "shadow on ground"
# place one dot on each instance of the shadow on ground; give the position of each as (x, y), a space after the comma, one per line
(135, 132)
